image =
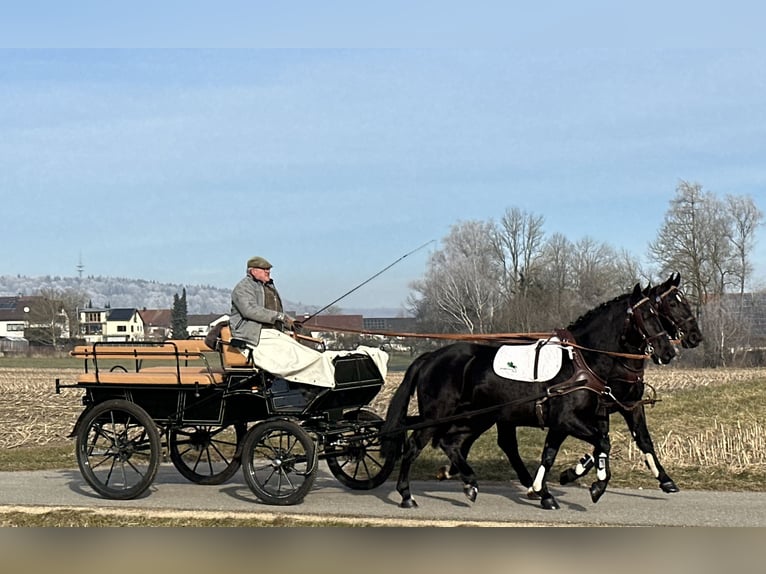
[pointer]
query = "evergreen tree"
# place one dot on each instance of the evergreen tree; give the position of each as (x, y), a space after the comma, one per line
(179, 316)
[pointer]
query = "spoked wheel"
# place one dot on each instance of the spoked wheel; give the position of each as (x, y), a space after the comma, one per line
(279, 462)
(206, 454)
(354, 458)
(118, 449)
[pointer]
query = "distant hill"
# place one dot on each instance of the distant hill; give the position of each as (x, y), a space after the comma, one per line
(140, 294)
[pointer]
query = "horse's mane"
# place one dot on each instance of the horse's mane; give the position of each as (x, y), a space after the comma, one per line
(589, 314)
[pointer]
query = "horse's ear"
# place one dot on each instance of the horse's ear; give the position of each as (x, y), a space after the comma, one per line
(647, 289)
(676, 279)
(637, 290)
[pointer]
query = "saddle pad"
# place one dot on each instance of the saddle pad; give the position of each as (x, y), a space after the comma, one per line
(517, 362)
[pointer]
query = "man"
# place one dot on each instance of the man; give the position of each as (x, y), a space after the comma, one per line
(257, 317)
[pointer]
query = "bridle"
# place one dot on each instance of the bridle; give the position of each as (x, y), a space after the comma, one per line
(637, 318)
(664, 308)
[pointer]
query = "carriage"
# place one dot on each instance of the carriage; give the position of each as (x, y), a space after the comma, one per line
(212, 419)
(210, 411)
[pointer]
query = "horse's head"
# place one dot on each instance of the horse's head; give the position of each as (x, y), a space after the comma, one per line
(675, 311)
(644, 329)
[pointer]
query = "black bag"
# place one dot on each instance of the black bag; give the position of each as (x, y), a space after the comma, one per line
(214, 335)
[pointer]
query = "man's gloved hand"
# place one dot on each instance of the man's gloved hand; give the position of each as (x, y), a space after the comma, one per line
(297, 327)
(287, 321)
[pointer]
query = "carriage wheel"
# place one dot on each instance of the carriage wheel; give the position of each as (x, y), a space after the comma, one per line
(279, 461)
(118, 449)
(206, 454)
(355, 458)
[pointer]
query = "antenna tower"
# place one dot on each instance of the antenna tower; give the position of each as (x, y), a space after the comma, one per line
(80, 267)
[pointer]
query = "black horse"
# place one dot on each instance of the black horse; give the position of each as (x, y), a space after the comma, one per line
(678, 319)
(460, 396)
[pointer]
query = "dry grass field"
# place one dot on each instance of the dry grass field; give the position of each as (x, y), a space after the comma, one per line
(707, 420)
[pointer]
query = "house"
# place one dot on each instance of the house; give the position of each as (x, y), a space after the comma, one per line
(157, 324)
(200, 325)
(14, 317)
(332, 322)
(391, 324)
(749, 310)
(33, 318)
(104, 324)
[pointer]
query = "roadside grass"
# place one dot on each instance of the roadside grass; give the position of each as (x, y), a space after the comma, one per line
(77, 518)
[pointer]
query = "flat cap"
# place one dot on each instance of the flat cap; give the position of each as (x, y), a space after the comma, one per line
(258, 263)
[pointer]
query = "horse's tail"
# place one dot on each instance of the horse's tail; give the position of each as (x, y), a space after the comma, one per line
(393, 431)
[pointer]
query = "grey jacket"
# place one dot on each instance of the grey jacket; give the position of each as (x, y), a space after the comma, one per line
(248, 315)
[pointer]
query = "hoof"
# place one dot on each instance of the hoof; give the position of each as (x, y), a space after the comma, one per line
(408, 503)
(442, 473)
(569, 475)
(532, 495)
(471, 492)
(597, 490)
(549, 503)
(669, 487)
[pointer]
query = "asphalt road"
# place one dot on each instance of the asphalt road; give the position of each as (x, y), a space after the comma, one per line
(439, 502)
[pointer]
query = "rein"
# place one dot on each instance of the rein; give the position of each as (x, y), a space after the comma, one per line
(486, 337)
(583, 378)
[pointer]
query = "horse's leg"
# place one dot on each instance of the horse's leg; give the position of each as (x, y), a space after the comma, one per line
(553, 442)
(601, 452)
(450, 471)
(636, 420)
(453, 444)
(413, 445)
(583, 466)
(508, 442)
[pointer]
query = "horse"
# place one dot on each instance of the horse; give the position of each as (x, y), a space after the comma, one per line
(460, 396)
(678, 320)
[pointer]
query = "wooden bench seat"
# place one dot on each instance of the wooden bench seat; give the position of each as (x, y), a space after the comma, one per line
(176, 352)
(156, 376)
(183, 349)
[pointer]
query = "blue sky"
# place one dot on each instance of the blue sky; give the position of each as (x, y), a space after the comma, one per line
(337, 156)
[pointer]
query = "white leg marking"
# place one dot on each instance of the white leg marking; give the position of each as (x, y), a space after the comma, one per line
(537, 485)
(652, 464)
(601, 472)
(585, 463)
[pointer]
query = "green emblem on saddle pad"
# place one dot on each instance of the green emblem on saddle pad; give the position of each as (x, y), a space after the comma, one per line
(511, 365)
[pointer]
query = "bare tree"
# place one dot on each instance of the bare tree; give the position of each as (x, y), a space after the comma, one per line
(745, 220)
(556, 277)
(47, 318)
(693, 241)
(462, 282)
(72, 300)
(518, 242)
(709, 241)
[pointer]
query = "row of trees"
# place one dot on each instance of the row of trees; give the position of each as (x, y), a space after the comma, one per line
(509, 276)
